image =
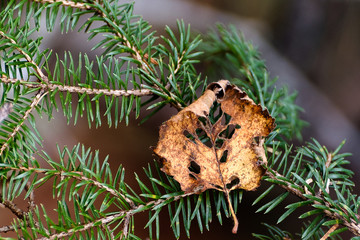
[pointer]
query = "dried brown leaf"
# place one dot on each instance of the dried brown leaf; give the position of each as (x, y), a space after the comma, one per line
(222, 155)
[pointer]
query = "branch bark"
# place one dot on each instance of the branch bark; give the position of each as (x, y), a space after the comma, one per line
(76, 89)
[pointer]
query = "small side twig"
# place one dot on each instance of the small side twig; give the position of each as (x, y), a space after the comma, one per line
(126, 226)
(332, 229)
(33, 104)
(12, 207)
(329, 159)
(37, 98)
(27, 57)
(66, 3)
(31, 198)
(106, 227)
(5, 229)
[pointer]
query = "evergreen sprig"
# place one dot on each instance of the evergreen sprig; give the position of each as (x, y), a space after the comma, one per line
(137, 69)
(314, 175)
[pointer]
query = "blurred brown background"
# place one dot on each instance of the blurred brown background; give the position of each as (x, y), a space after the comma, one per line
(312, 46)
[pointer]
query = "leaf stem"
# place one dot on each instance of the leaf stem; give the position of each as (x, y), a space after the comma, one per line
(236, 222)
(225, 189)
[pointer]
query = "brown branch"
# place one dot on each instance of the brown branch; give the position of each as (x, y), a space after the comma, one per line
(333, 228)
(31, 198)
(27, 57)
(275, 175)
(17, 211)
(12, 207)
(328, 160)
(111, 218)
(66, 3)
(87, 226)
(126, 226)
(128, 214)
(76, 89)
(33, 104)
(5, 229)
(106, 228)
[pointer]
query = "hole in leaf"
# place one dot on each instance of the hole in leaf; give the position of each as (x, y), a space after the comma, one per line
(203, 120)
(224, 156)
(220, 94)
(229, 131)
(194, 167)
(217, 187)
(225, 119)
(189, 136)
(233, 183)
(192, 176)
(203, 137)
(215, 112)
(219, 143)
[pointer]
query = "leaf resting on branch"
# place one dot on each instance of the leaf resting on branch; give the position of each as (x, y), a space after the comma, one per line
(203, 152)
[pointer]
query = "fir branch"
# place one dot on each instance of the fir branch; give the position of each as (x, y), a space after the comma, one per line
(65, 3)
(32, 106)
(272, 174)
(78, 176)
(77, 89)
(36, 100)
(109, 219)
(116, 194)
(134, 51)
(19, 213)
(27, 57)
(87, 226)
(84, 6)
(293, 188)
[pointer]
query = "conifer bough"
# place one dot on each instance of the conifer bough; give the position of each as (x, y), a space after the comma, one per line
(138, 70)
